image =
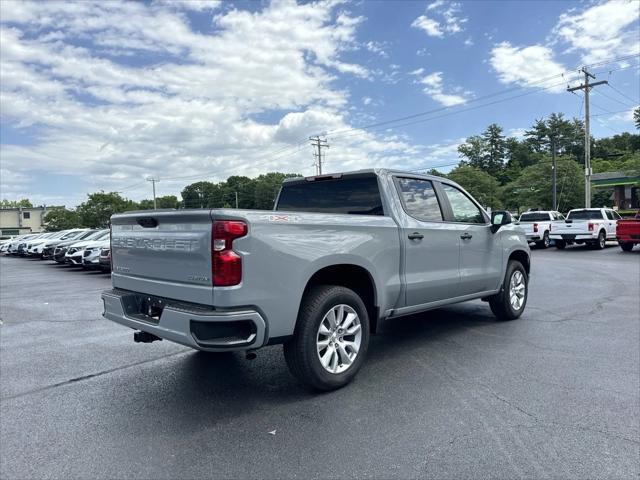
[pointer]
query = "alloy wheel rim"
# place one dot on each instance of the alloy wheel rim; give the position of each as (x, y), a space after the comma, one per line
(517, 290)
(602, 241)
(339, 338)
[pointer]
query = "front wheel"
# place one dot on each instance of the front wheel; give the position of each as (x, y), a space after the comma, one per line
(626, 246)
(510, 302)
(560, 244)
(331, 338)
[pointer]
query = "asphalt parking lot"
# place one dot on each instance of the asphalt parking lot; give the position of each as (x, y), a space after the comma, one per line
(448, 394)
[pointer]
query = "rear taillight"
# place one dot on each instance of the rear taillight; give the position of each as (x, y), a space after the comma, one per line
(590, 227)
(226, 264)
(535, 228)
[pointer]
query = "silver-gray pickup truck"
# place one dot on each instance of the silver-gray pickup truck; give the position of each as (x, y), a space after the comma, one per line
(337, 254)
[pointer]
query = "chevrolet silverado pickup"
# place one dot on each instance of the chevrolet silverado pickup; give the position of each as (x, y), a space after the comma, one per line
(591, 226)
(338, 254)
(537, 226)
(628, 232)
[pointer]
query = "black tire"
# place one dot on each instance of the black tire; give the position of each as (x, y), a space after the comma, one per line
(626, 246)
(561, 244)
(301, 352)
(500, 303)
(545, 242)
(601, 242)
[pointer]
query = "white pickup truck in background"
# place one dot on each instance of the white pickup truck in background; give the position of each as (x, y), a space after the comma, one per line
(593, 226)
(537, 226)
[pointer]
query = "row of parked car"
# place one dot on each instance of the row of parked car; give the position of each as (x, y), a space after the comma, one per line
(590, 226)
(81, 247)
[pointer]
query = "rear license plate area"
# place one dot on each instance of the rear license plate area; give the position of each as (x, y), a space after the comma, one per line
(568, 237)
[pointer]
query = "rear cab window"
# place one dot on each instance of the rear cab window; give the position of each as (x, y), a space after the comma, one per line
(351, 194)
(534, 217)
(585, 215)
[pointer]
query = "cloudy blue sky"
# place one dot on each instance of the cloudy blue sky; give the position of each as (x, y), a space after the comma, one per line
(102, 95)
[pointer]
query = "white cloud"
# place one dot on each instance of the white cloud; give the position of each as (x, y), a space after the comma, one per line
(525, 66)
(175, 102)
(434, 87)
(379, 48)
(429, 25)
(444, 18)
(602, 31)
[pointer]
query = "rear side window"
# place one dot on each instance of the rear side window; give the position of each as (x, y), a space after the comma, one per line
(464, 210)
(419, 199)
(356, 196)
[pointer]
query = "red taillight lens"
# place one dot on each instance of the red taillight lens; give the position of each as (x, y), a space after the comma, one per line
(590, 227)
(535, 227)
(226, 264)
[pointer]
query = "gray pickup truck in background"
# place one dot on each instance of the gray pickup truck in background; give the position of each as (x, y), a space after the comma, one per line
(337, 254)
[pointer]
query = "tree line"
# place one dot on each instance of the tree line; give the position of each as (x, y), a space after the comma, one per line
(500, 171)
(516, 173)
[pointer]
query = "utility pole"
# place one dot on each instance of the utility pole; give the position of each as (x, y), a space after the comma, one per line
(319, 143)
(554, 178)
(586, 86)
(153, 182)
(236, 199)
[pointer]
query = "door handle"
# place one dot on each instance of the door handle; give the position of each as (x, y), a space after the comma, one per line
(466, 236)
(416, 236)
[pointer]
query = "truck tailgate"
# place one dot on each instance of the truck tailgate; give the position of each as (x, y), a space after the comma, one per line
(163, 253)
(578, 227)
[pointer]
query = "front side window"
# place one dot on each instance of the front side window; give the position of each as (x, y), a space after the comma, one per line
(419, 199)
(610, 214)
(464, 210)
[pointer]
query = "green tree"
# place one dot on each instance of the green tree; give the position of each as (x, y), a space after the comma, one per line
(482, 186)
(473, 149)
(167, 201)
(267, 187)
(495, 149)
(61, 219)
(24, 202)
(532, 189)
(636, 117)
(201, 195)
(97, 210)
(566, 135)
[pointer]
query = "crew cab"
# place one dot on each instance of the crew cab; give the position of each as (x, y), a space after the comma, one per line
(628, 232)
(537, 226)
(591, 226)
(337, 254)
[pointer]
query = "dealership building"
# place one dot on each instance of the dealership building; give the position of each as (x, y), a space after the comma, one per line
(21, 220)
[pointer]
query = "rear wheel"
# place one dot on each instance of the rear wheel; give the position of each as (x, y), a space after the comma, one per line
(510, 302)
(331, 338)
(601, 242)
(545, 242)
(626, 246)
(560, 244)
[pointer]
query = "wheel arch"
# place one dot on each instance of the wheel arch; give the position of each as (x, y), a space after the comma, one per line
(523, 257)
(354, 277)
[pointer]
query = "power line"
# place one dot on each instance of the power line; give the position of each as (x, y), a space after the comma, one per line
(626, 104)
(635, 102)
(319, 143)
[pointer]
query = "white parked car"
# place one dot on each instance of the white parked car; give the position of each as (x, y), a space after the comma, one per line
(537, 225)
(591, 226)
(91, 253)
(36, 246)
(75, 251)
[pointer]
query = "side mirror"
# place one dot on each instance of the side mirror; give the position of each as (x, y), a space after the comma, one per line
(500, 218)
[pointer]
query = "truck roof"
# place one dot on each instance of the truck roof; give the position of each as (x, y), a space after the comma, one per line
(364, 171)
